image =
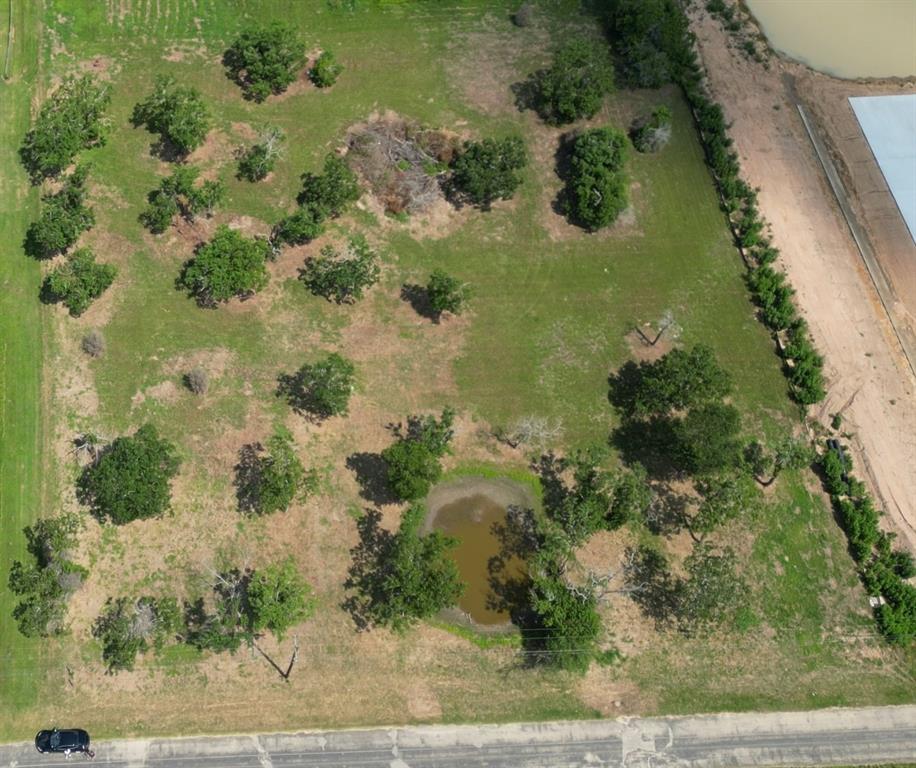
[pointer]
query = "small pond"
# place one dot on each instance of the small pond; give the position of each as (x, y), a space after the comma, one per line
(475, 510)
(846, 38)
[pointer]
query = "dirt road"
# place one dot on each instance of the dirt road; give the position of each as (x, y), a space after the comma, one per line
(870, 382)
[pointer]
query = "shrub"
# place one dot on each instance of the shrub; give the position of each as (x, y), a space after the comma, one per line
(79, 281)
(69, 121)
(342, 278)
(131, 479)
(327, 194)
(265, 59)
(326, 70)
(278, 598)
(569, 622)
(446, 293)
(524, 15)
(197, 380)
(413, 461)
(706, 439)
(833, 468)
(179, 193)
(160, 210)
(597, 186)
(323, 388)
(259, 159)
(64, 216)
(127, 627)
(176, 112)
(229, 265)
(93, 343)
(575, 84)
(300, 227)
(487, 170)
(402, 577)
(273, 479)
(650, 134)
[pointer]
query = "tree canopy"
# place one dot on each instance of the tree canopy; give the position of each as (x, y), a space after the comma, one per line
(229, 265)
(488, 170)
(127, 627)
(403, 577)
(269, 481)
(179, 193)
(176, 112)
(72, 119)
(322, 388)
(576, 82)
(64, 217)
(131, 478)
(596, 188)
(342, 277)
(259, 159)
(79, 281)
(265, 59)
(326, 70)
(446, 293)
(413, 460)
(328, 193)
(278, 598)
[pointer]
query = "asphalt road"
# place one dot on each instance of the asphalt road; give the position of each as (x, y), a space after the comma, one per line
(823, 737)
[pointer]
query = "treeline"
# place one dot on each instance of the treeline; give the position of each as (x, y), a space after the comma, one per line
(653, 44)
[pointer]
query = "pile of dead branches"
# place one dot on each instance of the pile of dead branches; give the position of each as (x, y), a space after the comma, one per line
(402, 162)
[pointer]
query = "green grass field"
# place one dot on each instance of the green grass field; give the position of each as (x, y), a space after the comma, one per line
(551, 311)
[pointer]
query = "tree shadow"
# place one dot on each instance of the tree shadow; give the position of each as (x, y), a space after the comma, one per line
(366, 574)
(507, 575)
(549, 468)
(35, 250)
(526, 92)
(562, 158)
(652, 586)
(649, 442)
(418, 298)
(667, 514)
(372, 475)
(623, 386)
(248, 478)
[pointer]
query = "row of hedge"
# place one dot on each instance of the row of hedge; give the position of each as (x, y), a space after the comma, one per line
(883, 570)
(771, 291)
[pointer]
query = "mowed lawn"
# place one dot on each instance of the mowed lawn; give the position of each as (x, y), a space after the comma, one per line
(551, 311)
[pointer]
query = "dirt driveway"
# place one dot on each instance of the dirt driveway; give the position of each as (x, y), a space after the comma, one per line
(870, 381)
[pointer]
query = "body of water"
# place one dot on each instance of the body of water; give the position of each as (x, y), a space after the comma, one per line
(845, 38)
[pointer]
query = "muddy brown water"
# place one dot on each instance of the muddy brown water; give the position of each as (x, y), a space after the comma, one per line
(474, 510)
(845, 38)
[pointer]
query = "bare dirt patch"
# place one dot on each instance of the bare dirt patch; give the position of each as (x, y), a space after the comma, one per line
(849, 325)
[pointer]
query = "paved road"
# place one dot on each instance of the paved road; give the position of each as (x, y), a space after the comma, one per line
(825, 737)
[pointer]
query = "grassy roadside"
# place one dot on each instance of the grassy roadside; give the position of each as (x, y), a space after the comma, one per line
(20, 347)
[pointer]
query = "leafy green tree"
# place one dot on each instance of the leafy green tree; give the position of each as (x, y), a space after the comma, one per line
(176, 112)
(300, 227)
(647, 36)
(679, 380)
(72, 119)
(446, 293)
(179, 193)
(322, 388)
(229, 265)
(64, 217)
(278, 598)
(631, 496)
(706, 439)
(327, 194)
(413, 460)
(575, 84)
(79, 281)
(259, 159)
(53, 538)
(569, 620)
(131, 479)
(265, 59)
(127, 627)
(404, 577)
(275, 478)
(788, 453)
(488, 170)
(326, 70)
(723, 497)
(342, 278)
(596, 189)
(161, 208)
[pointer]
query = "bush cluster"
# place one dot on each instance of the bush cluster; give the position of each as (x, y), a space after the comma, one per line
(596, 189)
(79, 281)
(326, 70)
(488, 170)
(179, 193)
(576, 82)
(64, 217)
(127, 627)
(882, 569)
(72, 119)
(265, 59)
(653, 42)
(176, 112)
(229, 265)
